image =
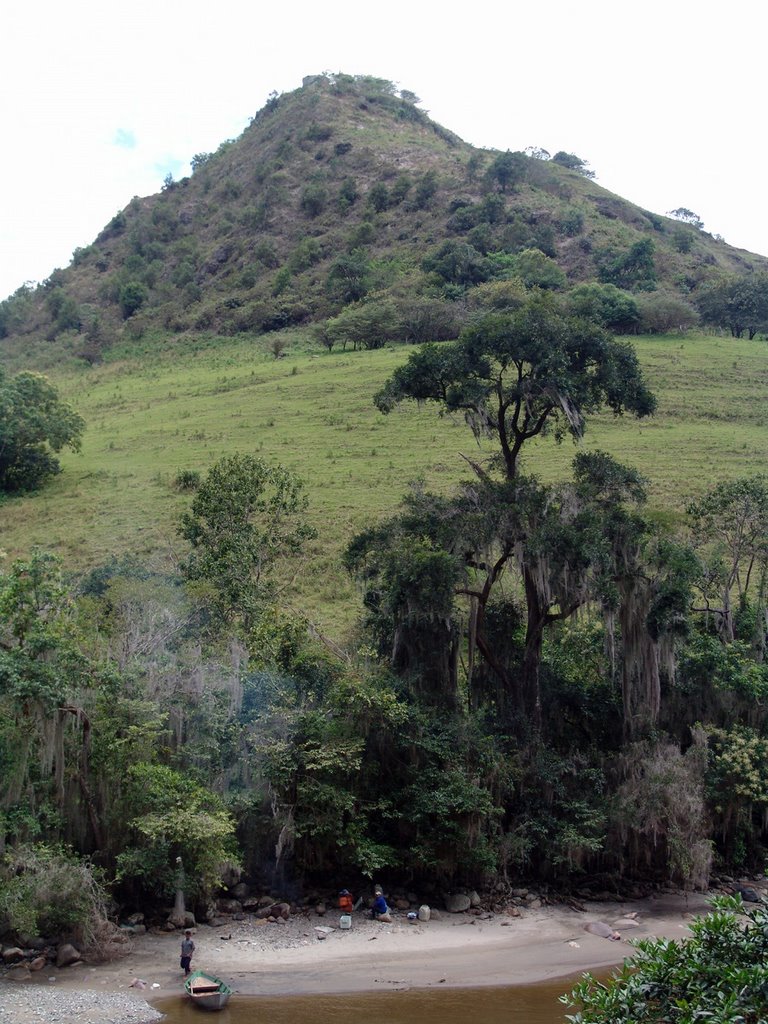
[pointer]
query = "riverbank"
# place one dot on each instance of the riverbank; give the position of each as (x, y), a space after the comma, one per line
(291, 958)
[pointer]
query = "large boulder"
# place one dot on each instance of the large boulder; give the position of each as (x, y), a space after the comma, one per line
(457, 903)
(66, 955)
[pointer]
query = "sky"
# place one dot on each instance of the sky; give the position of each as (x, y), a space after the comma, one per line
(101, 99)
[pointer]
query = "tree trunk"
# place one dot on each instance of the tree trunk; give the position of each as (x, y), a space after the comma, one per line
(179, 913)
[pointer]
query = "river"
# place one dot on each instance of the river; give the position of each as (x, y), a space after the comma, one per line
(524, 1004)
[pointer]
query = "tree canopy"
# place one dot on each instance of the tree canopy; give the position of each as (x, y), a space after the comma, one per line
(34, 423)
(246, 517)
(518, 375)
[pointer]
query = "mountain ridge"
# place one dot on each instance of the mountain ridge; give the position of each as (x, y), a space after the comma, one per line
(346, 168)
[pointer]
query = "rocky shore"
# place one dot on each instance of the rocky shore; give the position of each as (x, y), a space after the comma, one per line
(32, 1003)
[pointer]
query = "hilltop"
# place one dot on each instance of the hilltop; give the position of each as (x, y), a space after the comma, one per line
(345, 194)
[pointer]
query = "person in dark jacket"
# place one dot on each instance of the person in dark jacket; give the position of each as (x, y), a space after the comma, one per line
(380, 910)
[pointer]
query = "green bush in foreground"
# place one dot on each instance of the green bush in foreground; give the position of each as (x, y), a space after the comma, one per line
(718, 975)
(49, 891)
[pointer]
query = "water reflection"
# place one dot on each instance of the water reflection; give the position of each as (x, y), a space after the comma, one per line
(526, 1004)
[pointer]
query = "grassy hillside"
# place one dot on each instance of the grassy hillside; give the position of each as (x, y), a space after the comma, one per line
(151, 416)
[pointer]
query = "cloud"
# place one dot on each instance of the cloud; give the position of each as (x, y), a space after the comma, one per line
(124, 139)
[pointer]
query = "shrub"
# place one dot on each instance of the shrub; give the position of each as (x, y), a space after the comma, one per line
(187, 480)
(132, 297)
(313, 200)
(719, 974)
(47, 891)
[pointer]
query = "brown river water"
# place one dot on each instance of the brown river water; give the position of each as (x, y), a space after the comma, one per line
(524, 1004)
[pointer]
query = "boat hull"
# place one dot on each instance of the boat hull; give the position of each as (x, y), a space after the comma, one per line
(207, 991)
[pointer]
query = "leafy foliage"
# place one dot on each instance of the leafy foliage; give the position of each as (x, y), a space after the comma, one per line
(245, 517)
(34, 422)
(46, 890)
(719, 974)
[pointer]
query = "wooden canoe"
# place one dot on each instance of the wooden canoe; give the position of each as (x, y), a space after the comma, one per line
(207, 991)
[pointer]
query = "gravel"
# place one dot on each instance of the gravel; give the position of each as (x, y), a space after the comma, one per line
(22, 1003)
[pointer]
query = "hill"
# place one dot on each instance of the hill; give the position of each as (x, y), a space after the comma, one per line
(157, 413)
(341, 193)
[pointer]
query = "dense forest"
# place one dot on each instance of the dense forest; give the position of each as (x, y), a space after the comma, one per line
(550, 680)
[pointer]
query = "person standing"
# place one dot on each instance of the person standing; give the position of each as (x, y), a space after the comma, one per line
(187, 949)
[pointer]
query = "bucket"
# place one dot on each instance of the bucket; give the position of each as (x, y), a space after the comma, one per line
(345, 921)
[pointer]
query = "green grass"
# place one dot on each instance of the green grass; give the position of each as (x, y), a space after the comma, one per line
(183, 408)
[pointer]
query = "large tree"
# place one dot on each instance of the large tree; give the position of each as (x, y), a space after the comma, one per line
(245, 518)
(34, 423)
(738, 303)
(518, 376)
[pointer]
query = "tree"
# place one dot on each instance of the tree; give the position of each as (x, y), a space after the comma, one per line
(132, 297)
(606, 304)
(34, 423)
(244, 519)
(738, 303)
(180, 834)
(348, 276)
(634, 268)
(687, 217)
(508, 169)
(731, 519)
(517, 376)
(458, 263)
(43, 673)
(573, 163)
(719, 974)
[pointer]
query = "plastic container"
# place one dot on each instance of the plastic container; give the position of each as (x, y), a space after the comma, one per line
(345, 921)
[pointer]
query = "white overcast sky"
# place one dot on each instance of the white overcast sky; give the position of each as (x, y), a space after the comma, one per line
(100, 99)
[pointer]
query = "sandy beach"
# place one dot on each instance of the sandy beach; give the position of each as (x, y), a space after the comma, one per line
(290, 958)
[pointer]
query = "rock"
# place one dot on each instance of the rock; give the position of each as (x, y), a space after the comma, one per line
(402, 904)
(135, 919)
(748, 894)
(19, 972)
(280, 910)
(626, 922)
(602, 929)
(424, 912)
(412, 897)
(229, 906)
(457, 903)
(66, 955)
(12, 954)
(38, 963)
(535, 903)
(519, 893)
(266, 901)
(241, 891)
(512, 912)
(320, 909)
(434, 914)
(474, 899)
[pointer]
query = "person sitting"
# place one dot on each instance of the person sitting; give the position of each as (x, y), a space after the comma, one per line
(380, 910)
(345, 901)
